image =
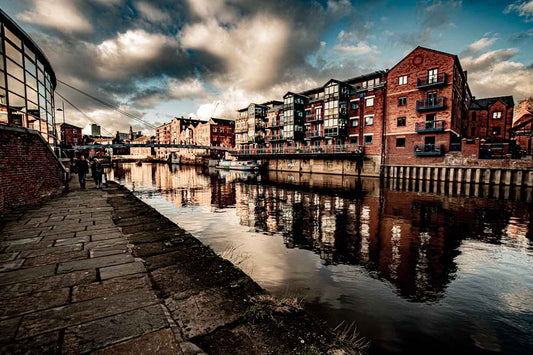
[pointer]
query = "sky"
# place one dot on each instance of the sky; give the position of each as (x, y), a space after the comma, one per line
(203, 58)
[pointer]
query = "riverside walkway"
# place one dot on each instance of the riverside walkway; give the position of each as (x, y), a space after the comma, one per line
(99, 271)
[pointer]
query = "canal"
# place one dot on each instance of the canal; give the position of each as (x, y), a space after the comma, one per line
(417, 271)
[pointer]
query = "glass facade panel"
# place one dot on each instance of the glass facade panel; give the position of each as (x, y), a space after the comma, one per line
(31, 94)
(11, 36)
(30, 67)
(15, 85)
(42, 91)
(13, 53)
(29, 53)
(15, 70)
(31, 81)
(2, 80)
(16, 101)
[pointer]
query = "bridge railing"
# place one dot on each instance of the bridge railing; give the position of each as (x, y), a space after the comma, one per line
(328, 149)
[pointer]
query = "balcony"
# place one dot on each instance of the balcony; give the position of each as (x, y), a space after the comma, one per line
(276, 124)
(276, 138)
(429, 126)
(432, 81)
(313, 134)
(313, 119)
(432, 104)
(330, 151)
(429, 150)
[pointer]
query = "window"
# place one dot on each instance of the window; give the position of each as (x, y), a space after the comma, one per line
(473, 117)
(432, 75)
(402, 80)
(402, 101)
(354, 140)
(497, 115)
(369, 120)
(400, 142)
(354, 105)
(400, 122)
(368, 139)
(472, 131)
(369, 101)
(496, 131)
(74, 131)
(355, 121)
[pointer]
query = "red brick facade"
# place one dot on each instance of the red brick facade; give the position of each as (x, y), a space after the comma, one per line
(414, 113)
(70, 134)
(29, 170)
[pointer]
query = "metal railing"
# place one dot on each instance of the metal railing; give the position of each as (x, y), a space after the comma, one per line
(429, 126)
(314, 134)
(435, 103)
(429, 149)
(328, 149)
(432, 81)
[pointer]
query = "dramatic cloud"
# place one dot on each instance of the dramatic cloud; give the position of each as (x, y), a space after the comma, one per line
(493, 73)
(522, 8)
(347, 44)
(63, 15)
(151, 12)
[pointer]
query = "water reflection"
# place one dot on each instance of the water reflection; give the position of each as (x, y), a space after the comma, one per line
(421, 238)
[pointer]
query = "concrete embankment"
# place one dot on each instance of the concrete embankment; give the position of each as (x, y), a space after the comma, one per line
(101, 271)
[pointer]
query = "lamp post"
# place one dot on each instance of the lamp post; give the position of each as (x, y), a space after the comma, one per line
(62, 109)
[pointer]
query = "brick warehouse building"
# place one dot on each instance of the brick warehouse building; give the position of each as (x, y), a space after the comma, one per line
(69, 134)
(413, 114)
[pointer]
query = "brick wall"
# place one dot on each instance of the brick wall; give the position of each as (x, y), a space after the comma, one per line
(29, 171)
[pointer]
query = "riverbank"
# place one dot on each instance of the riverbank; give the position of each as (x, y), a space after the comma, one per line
(101, 271)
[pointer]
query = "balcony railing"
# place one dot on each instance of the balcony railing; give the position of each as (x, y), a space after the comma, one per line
(429, 126)
(314, 134)
(432, 150)
(276, 124)
(329, 149)
(313, 118)
(436, 103)
(432, 81)
(276, 138)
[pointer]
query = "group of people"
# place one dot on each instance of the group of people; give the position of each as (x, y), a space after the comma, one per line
(82, 168)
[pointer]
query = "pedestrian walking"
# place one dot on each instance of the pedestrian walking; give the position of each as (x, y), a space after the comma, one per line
(83, 169)
(97, 171)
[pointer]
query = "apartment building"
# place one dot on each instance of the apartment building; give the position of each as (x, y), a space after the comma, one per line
(217, 132)
(427, 104)
(490, 118)
(69, 134)
(414, 113)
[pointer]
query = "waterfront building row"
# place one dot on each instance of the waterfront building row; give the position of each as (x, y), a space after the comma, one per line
(414, 113)
(216, 132)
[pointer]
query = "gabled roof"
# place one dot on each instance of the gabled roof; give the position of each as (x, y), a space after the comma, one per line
(222, 121)
(483, 104)
(293, 94)
(68, 125)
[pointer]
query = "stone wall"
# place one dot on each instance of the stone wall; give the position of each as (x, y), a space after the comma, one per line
(29, 170)
(371, 166)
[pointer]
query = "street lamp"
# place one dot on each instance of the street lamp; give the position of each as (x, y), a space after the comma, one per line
(62, 109)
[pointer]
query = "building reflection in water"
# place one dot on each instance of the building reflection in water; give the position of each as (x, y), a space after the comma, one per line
(407, 233)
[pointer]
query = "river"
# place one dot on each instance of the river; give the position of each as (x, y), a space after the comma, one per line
(418, 268)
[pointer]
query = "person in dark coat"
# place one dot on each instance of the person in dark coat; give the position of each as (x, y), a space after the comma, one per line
(97, 171)
(83, 169)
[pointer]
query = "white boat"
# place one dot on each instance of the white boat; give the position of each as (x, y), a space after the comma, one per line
(246, 165)
(174, 159)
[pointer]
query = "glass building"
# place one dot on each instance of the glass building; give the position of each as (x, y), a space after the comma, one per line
(27, 82)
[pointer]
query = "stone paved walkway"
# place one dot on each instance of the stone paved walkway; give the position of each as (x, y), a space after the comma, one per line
(69, 283)
(99, 271)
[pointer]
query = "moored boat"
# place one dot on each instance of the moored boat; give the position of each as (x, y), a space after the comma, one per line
(246, 165)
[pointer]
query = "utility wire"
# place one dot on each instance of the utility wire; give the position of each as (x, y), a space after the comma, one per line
(83, 113)
(115, 108)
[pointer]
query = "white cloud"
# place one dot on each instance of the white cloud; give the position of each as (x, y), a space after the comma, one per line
(151, 12)
(481, 44)
(493, 73)
(63, 15)
(129, 52)
(523, 9)
(189, 89)
(252, 49)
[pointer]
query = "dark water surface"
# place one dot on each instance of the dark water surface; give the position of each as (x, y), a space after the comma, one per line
(418, 272)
